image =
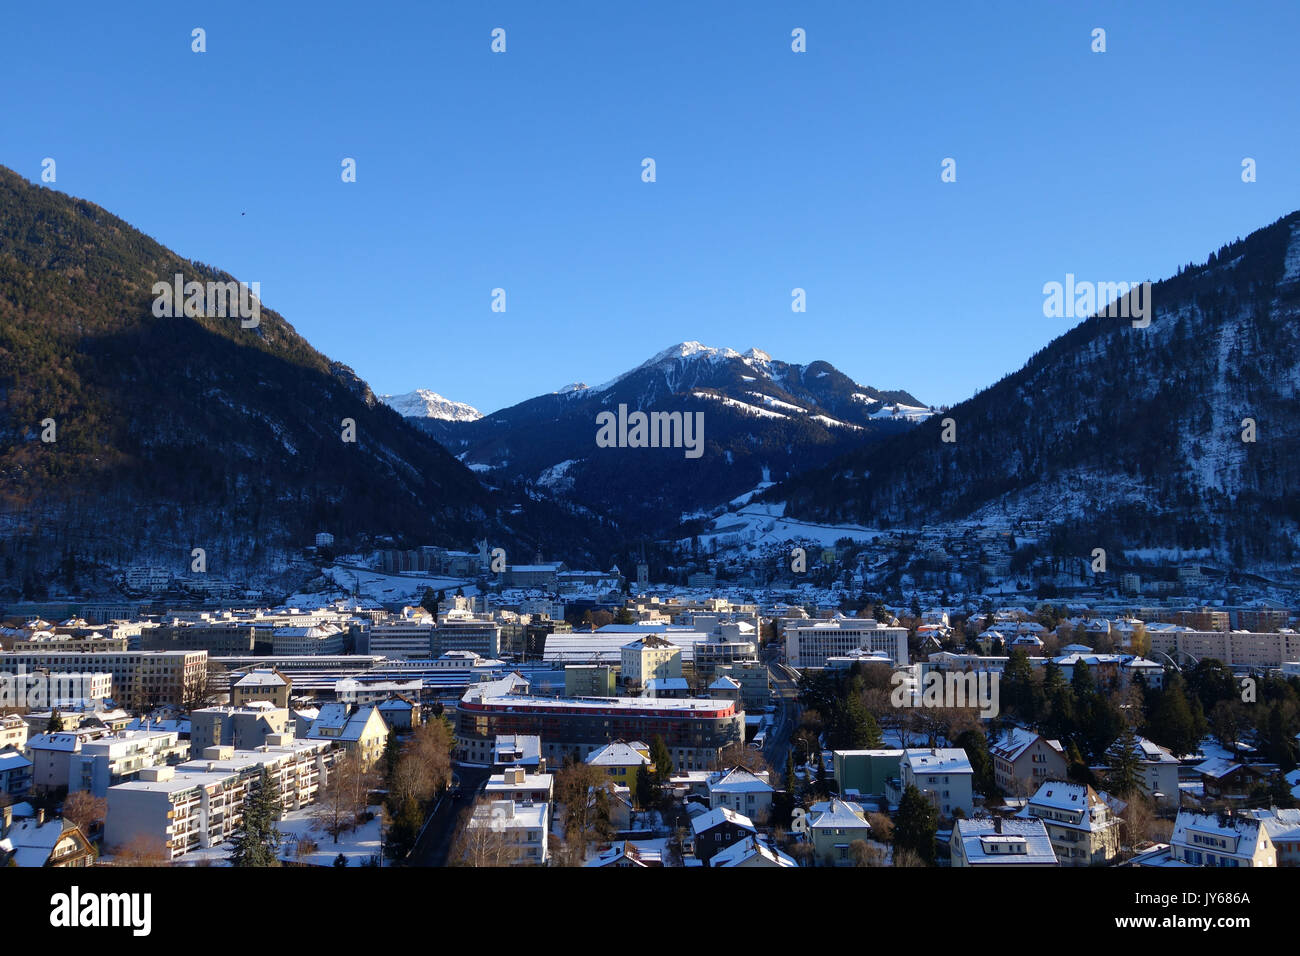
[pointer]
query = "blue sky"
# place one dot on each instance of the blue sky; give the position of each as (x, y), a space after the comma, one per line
(775, 170)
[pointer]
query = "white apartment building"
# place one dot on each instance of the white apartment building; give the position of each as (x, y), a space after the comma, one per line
(522, 827)
(650, 658)
(107, 761)
(200, 803)
(810, 643)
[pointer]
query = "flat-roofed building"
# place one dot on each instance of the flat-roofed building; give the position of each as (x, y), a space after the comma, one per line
(244, 728)
(201, 803)
(141, 680)
(106, 761)
(810, 643)
(695, 730)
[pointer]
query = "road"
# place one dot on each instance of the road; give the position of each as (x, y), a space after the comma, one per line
(434, 843)
(785, 694)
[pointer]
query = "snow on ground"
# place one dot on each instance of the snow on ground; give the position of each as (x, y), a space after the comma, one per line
(755, 525)
(1292, 273)
(388, 587)
(357, 846)
(742, 406)
(557, 475)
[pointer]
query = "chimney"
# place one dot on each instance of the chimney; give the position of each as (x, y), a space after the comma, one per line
(997, 824)
(6, 819)
(40, 817)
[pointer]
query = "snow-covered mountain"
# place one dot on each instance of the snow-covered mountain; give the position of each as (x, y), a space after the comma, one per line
(425, 403)
(1180, 434)
(759, 413)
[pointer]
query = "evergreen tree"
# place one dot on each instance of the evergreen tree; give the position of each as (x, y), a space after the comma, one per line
(1058, 719)
(256, 839)
(55, 724)
(405, 829)
(340, 860)
(392, 754)
(646, 794)
(1172, 723)
(1125, 775)
(662, 761)
(916, 824)
(976, 746)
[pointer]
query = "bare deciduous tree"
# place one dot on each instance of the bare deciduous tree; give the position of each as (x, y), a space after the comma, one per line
(478, 841)
(85, 810)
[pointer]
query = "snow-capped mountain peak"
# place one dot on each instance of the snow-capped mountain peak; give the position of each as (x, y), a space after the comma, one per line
(424, 403)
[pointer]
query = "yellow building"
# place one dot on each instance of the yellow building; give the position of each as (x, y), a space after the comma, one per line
(620, 761)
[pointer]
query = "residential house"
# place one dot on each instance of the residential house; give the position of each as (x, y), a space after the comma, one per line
(943, 775)
(15, 774)
(718, 829)
(996, 843)
(1023, 760)
(832, 827)
(751, 852)
(620, 760)
(1081, 822)
(1209, 839)
(742, 791)
(361, 732)
(37, 842)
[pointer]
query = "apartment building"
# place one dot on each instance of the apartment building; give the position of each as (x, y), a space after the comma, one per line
(695, 730)
(1240, 649)
(313, 640)
(755, 683)
(521, 826)
(13, 731)
(409, 637)
(107, 761)
(360, 731)
(589, 680)
(200, 803)
(649, 658)
(141, 680)
(810, 643)
(218, 638)
(519, 786)
(461, 631)
(832, 828)
(244, 728)
(15, 774)
(261, 684)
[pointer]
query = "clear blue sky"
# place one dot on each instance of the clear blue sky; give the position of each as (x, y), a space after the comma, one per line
(775, 169)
